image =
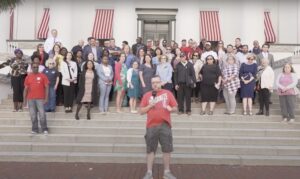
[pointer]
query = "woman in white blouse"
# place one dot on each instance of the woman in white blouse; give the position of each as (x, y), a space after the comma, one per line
(265, 82)
(69, 79)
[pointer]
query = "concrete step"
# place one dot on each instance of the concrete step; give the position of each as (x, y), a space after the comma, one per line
(139, 139)
(140, 148)
(176, 131)
(137, 117)
(140, 158)
(177, 123)
(95, 111)
(9, 107)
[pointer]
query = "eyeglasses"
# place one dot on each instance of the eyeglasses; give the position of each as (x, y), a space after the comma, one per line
(195, 55)
(209, 59)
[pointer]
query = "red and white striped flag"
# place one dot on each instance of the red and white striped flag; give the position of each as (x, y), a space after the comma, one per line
(103, 24)
(210, 25)
(269, 31)
(44, 26)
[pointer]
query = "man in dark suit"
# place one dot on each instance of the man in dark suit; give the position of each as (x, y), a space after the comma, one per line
(265, 54)
(92, 48)
(184, 80)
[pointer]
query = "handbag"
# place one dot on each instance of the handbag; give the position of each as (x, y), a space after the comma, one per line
(297, 92)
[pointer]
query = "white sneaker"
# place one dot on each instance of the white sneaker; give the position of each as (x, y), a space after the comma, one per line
(45, 132)
(169, 175)
(292, 120)
(148, 176)
(33, 132)
(134, 111)
(284, 120)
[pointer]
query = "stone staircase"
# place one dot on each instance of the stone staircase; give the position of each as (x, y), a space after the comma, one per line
(119, 138)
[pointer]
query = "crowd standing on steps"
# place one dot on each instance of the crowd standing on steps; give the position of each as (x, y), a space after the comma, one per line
(94, 74)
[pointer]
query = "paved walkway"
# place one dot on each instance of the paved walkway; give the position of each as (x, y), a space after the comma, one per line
(10, 170)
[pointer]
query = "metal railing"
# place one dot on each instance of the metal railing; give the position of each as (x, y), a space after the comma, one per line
(11, 45)
(296, 47)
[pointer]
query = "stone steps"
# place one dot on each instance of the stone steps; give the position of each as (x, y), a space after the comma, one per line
(140, 158)
(176, 131)
(275, 150)
(119, 137)
(95, 112)
(138, 139)
(4, 107)
(177, 123)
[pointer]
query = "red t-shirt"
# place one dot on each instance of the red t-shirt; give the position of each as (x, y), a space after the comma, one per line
(187, 50)
(36, 84)
(159, 113)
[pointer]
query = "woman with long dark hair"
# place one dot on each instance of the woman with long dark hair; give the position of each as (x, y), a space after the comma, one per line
(147, 71)
(40, 51)
(88, 88)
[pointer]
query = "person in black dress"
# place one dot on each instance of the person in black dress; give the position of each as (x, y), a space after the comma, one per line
(210, 75)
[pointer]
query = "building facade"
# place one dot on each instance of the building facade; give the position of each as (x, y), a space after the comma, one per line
(169, 19)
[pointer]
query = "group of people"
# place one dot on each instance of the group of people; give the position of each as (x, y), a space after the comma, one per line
(154, 73)
(193, 72)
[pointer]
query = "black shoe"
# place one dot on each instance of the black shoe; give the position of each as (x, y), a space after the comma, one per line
(267, 113)
(260, 112)
(88, 116)
(202, 113)
(76, 117)
(210, 113)
(270, 102)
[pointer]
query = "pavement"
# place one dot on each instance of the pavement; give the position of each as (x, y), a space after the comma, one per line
(15, 170)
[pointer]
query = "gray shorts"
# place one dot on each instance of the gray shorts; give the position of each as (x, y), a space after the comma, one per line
(161, 134)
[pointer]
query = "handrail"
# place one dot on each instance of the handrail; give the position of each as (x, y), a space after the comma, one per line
(283, 44)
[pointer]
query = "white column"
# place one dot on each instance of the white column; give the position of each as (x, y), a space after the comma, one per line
(139, 28)
(173, 30)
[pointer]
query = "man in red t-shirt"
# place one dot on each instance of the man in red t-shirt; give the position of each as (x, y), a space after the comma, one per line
(36, 92)
(158, 104)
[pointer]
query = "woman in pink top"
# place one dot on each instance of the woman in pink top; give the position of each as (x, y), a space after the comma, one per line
(286, 88)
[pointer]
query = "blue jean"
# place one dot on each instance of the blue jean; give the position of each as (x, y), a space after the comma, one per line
(104, 97)
(36, 107)
(50, 106)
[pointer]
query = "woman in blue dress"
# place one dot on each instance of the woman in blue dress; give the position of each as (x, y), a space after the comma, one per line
(133, 81)
(248, 72)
